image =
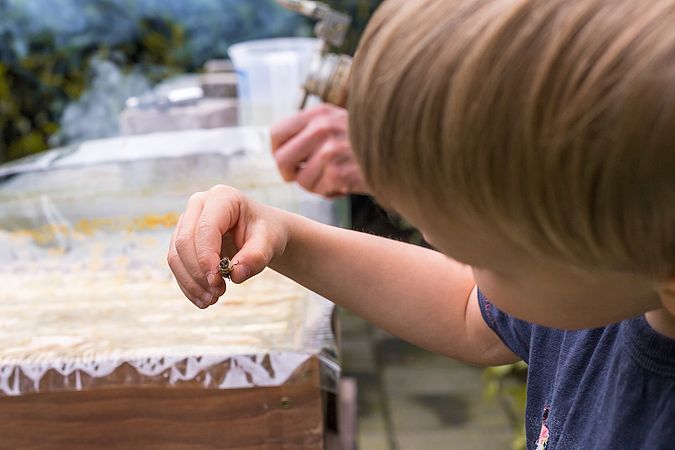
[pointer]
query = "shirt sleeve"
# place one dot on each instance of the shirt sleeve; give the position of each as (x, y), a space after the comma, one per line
(515, 333)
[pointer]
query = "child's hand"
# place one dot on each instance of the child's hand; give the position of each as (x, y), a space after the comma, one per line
(222, 221)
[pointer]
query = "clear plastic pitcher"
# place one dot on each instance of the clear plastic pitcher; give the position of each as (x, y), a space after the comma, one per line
(270, 75)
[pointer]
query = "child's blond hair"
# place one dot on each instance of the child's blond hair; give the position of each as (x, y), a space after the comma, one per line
(553, 121)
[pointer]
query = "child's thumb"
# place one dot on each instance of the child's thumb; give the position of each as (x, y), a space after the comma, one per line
(251, 259)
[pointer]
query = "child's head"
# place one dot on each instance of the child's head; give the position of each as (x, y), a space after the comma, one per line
(553, 120)
(548, 123)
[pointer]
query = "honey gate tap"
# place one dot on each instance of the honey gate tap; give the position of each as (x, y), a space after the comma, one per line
(332, 26)
(328, 75)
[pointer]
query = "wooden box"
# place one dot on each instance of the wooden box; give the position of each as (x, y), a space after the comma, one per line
(289, 416)
(111, 383)
(98, 346)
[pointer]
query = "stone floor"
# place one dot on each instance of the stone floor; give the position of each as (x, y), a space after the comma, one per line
(411, 399)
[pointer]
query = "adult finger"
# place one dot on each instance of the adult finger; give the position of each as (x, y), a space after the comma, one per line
(337, 179)
(286, 128)
(300, 148)
(311, 172)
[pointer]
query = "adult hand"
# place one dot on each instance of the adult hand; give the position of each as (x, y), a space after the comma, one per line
(313, 149)
(222, 221)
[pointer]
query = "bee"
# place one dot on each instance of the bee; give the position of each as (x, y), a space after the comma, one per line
(226, 267)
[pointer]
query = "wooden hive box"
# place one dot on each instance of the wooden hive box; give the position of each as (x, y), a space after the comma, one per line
(98, 346)
(289, 416)
(117, 369)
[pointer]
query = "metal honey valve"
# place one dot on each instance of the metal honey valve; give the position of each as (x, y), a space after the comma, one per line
(332, 26)
(328, 76)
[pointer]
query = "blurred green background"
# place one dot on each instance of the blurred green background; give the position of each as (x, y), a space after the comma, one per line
(53, 52)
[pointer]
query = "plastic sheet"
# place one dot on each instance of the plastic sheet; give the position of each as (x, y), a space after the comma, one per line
(87, 299)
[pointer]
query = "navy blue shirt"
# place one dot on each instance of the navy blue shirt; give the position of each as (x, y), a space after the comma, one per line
(605, 388)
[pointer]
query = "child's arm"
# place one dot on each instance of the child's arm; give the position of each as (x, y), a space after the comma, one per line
(415, 293)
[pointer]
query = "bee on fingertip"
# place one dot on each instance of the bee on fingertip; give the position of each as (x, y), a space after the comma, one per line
(226, 267)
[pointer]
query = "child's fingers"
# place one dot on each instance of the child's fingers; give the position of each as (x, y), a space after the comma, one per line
(185, 241)
(195, 293)
(191, 289)
(219, 216)
(213, 220)
(228, 247)
(254, 255)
